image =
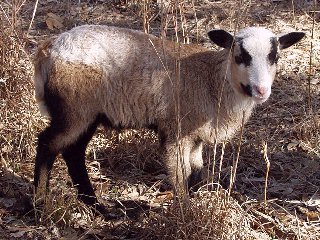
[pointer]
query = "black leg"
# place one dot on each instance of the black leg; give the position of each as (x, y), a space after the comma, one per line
(48, 146)
(74, 155)
(44, 159)
(194, 180)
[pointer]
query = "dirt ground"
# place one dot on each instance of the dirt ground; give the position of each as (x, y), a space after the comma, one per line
(126, 169)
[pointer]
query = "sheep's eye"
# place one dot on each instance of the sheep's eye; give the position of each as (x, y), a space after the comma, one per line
(273, 59)
(238, 59)
(273, 56)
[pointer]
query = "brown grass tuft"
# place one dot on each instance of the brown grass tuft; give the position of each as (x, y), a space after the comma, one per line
(207, 215)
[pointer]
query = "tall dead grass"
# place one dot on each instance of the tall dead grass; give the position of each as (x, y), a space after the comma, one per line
(17, 129)
(207, 215)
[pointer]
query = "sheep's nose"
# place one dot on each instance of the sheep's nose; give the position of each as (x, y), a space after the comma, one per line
(260, 90)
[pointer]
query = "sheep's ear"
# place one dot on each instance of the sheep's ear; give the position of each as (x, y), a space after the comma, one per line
(221, 38)
(286, 40)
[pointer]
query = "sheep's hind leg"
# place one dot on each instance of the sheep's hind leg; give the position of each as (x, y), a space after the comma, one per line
(74, 155)
(44, 161)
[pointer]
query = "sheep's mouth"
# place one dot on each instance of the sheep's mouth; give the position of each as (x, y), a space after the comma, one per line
(247, 89)
(258, 98)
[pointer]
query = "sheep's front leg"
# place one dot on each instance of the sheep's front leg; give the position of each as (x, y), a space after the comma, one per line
(177, 161)
(196, 163)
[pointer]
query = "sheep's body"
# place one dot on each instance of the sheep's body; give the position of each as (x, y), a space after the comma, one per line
(127, 79)
(131, 78)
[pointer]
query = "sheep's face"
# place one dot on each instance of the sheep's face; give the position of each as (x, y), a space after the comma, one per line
(253, 63)
(254, 55)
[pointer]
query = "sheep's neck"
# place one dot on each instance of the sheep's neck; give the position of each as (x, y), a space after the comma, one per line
(231, 109)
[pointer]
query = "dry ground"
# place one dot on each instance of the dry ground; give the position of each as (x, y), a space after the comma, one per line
(126, 168)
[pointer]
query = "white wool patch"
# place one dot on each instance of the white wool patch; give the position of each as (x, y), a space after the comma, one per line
(84, 44)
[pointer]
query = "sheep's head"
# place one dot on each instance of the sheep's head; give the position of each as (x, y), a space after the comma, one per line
(254, 55)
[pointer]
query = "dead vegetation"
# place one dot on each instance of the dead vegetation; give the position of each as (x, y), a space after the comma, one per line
(126, 167)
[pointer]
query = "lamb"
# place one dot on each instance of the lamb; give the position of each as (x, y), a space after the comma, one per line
(123, 78)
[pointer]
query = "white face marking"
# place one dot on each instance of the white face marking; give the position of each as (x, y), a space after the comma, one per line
(252, 70)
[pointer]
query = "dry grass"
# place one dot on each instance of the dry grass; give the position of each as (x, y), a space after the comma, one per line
(126, 167)
(207, 215)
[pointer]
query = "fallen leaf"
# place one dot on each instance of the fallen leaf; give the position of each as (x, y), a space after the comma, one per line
(164, 196)
(133, 195)
(292, 56)
(313, 216)
(293, 145)
(17, 234)
(161, 176)
(54, 21)
(314, 81)
(6, 149)
(7, 202)
(280, 189)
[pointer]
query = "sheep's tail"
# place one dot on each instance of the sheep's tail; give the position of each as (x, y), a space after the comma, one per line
(41, 73)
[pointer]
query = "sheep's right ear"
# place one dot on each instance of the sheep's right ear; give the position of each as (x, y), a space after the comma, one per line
(221, 37)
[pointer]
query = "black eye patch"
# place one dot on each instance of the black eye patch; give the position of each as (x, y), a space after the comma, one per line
(244, 57)
(273, 56)
(247, 89)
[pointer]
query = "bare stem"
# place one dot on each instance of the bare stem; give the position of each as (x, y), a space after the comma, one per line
(266, 159)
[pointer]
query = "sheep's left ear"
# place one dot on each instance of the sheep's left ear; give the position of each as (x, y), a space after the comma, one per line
(221, 37)
(286, 40)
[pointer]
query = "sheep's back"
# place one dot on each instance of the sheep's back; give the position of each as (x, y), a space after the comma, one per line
(113, 71)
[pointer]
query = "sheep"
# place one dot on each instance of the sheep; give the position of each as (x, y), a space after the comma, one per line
(123, 78)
